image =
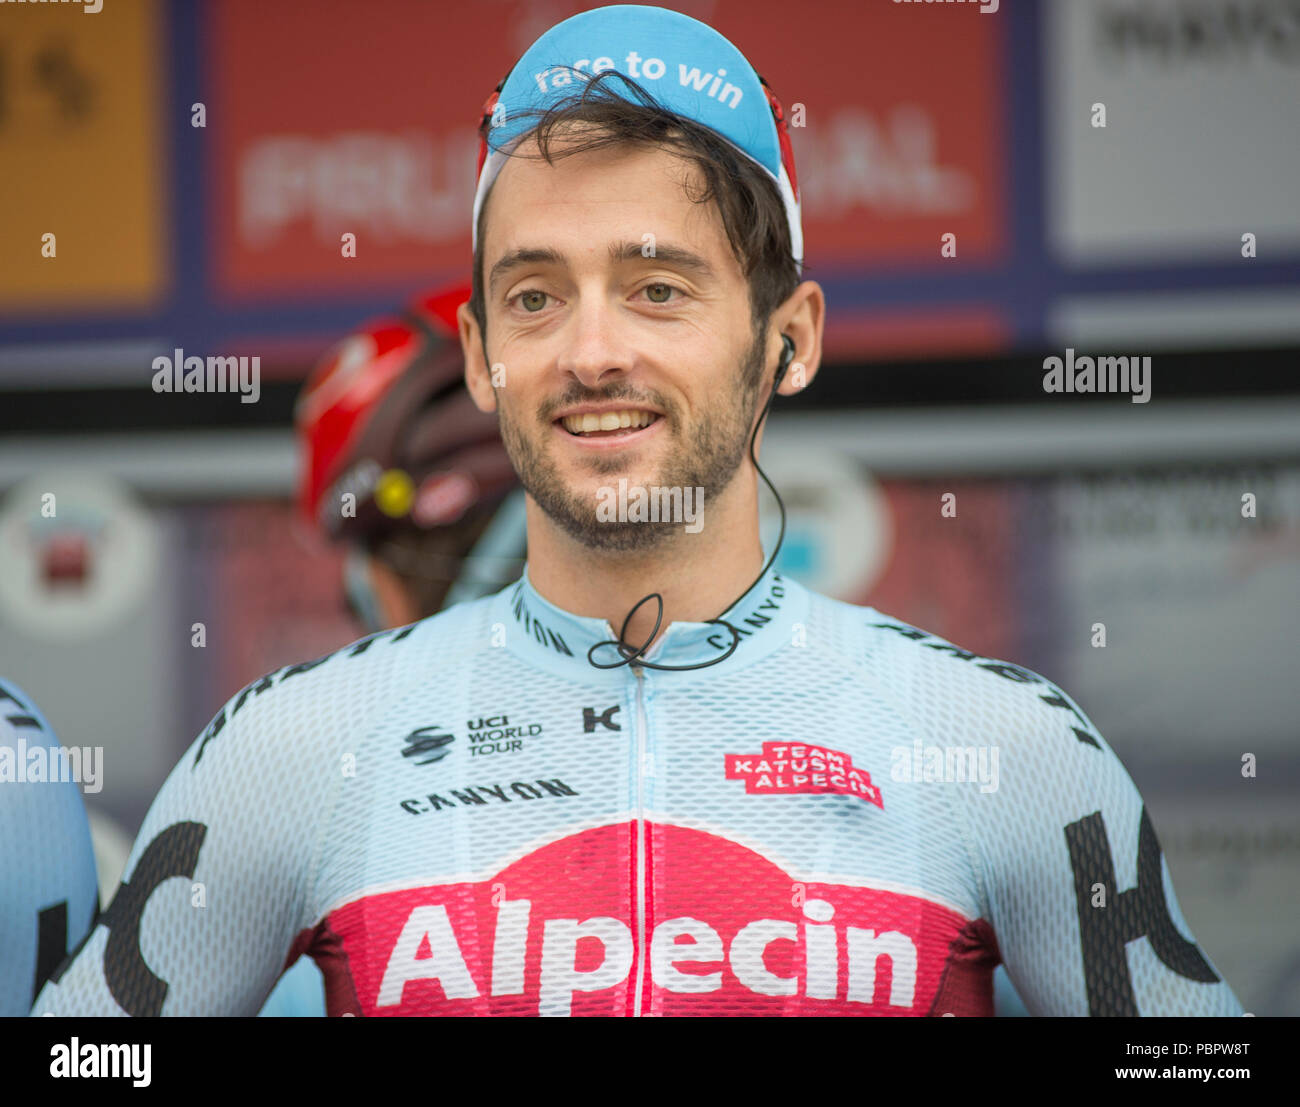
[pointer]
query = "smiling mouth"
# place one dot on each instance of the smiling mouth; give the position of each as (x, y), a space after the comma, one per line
(609, 424)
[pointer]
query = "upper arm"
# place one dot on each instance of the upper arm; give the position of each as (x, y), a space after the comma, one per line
(1080, 895)
(212, 893)
(48, 889)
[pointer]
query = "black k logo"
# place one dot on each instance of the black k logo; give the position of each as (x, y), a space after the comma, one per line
(426, 742)
(590, 719)
(1138, 912)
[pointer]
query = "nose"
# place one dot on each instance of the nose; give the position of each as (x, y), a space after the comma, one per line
(593, 352)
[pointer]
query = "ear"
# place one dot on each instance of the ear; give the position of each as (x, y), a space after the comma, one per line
(478, 378)
(802, 317)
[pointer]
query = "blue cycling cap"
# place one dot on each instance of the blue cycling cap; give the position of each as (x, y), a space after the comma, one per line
(686, 65)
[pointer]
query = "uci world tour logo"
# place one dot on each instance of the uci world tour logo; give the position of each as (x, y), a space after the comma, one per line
(786, 769)
(427, 744)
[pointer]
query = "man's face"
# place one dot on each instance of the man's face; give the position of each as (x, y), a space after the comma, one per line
(579, 315)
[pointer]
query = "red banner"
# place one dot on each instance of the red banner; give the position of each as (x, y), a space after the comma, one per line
(360, 120)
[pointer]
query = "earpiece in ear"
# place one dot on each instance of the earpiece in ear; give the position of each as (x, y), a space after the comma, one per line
(787, 356)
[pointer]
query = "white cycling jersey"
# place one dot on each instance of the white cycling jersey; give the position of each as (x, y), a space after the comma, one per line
(847, 816)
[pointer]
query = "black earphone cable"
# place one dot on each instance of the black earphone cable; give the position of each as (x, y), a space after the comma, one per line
(631, 654)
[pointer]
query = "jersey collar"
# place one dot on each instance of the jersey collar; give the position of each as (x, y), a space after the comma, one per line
(767, 617)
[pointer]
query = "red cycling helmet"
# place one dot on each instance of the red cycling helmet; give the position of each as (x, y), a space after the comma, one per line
(386, 417)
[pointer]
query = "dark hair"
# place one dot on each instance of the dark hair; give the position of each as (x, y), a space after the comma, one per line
(747, 198)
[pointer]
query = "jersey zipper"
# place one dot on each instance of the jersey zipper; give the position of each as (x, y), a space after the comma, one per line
(642, 860)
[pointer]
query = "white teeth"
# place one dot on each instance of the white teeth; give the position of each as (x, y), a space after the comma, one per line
(609, 420)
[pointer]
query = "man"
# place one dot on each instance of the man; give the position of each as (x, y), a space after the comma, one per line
(48, 894)
(730, 806)
(435, 514)
(385, 417)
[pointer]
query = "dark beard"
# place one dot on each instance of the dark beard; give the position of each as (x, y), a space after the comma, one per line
(710, 457)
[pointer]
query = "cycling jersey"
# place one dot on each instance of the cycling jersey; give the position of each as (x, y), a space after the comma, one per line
(848, 816)
(48, 892)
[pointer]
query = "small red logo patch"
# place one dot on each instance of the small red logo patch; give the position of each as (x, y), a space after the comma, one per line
(784, 768)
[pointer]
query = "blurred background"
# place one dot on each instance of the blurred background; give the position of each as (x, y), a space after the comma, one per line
(197, 164)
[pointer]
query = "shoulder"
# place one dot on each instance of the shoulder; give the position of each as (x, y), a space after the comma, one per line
(19, 715)
(39, 774)
(945, 686)
(339, 691)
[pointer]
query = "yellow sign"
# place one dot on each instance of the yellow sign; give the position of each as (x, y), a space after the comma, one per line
(81, 157)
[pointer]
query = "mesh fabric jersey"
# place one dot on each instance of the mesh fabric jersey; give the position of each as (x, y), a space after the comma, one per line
(848, 816)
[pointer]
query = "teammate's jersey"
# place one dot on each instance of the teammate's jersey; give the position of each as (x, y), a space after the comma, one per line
(848, 816)
(298, 994)
(48, 893)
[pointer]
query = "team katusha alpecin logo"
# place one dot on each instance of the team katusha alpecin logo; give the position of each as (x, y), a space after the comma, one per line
(791, 768)
(723, 931)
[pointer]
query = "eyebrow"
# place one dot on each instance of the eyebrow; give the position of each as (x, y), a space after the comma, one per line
(676, 256)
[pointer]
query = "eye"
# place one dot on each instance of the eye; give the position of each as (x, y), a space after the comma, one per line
(660, 287)
(532, 299)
